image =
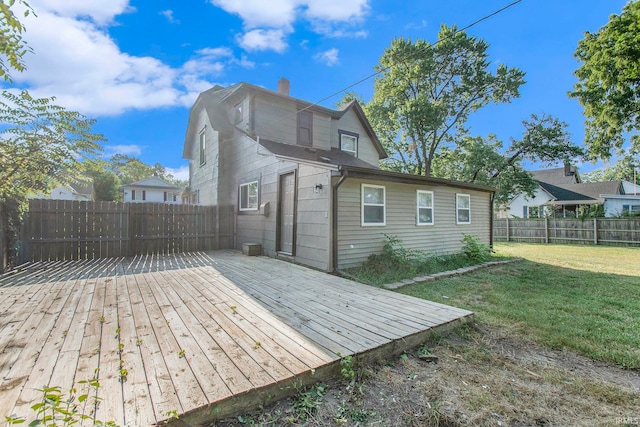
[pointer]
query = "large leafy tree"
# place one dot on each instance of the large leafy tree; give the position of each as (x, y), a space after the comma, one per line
(425, 93)
(609, 83)
(485, 161)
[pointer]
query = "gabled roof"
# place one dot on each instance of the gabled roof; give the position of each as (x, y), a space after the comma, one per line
(585, 193)
(212, 99)
(81, 188)
(153, 182)
(557, 176)
(333, 157)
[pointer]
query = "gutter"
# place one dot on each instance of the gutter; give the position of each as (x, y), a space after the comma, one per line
(491, 201)
(334, 221)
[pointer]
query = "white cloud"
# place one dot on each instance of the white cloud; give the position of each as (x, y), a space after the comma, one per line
(268, 22)
(181, 173)
(332, 32)
(101, 12)
(263, 40)
(80, 64)
(336, 10)
(128, 150)
(260, 13)
(169, 15)
(329, 57)
(416, 25)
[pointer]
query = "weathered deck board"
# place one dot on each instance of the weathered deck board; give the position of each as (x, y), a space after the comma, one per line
(199, 334)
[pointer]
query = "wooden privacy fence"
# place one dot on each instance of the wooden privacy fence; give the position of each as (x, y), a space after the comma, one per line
(69, 229)
(594, 231)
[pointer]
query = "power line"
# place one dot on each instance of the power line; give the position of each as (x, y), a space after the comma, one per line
(370, 76)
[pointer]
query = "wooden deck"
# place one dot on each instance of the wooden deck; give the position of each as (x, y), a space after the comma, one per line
(201, 334)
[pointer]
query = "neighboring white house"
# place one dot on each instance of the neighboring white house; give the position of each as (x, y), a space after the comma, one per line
(621, 204)
(560, 193)
(82, 191)
(152, 190)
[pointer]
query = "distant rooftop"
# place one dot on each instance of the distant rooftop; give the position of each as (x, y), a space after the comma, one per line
(557, 176)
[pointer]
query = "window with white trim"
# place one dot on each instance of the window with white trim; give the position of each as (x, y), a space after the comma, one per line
(249, 196)
(349, 142)
(373, 205)
(203, 148)
(463, 209)
(424, 207)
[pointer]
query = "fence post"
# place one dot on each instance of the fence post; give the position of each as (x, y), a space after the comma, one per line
(130, 230)
(546, 229)
(595, 231)
(507, 218)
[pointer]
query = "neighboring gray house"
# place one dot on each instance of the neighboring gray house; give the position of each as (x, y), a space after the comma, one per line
(560, 193)
(305, 182)
(151, 190)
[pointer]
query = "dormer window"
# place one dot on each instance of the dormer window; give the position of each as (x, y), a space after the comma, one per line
(349, 142)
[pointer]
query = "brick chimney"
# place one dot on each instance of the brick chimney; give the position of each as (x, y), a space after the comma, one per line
(283, 86)
(568, 169)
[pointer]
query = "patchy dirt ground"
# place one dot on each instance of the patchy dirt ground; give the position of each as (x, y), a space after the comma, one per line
(481, 377)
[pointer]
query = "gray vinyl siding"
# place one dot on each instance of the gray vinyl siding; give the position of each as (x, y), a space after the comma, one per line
(246, 161)
(356, 243)
(351, 123)
(312, 221)
(205, 177)
(275, 119)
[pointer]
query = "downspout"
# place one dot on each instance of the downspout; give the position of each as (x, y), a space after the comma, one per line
(334, 221)
(491, 200)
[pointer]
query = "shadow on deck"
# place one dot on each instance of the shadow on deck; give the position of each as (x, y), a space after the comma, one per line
(203, 335)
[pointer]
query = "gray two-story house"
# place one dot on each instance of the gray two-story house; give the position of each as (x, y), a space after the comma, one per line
(305, 183)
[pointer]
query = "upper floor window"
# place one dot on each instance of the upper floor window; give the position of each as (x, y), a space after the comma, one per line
(373, 205)
(305, 127)
(463, 209)
(238, 113)
(249, 196)
(424, 207)
(349, 142)
(203, 148)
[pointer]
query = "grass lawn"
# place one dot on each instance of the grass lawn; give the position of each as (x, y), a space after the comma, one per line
(585, 298)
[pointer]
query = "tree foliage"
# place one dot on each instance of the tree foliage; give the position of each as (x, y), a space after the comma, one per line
(41, 144)
(12, 46)
(121, 169)
(425, 93)
(622, 169)
(609, 82)
(485, 161)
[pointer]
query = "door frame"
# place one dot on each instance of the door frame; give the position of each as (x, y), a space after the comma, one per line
(281, 175)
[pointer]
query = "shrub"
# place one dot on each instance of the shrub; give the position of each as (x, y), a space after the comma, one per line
(474, 249)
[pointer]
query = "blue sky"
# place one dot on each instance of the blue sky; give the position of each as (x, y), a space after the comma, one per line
(137, 66)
